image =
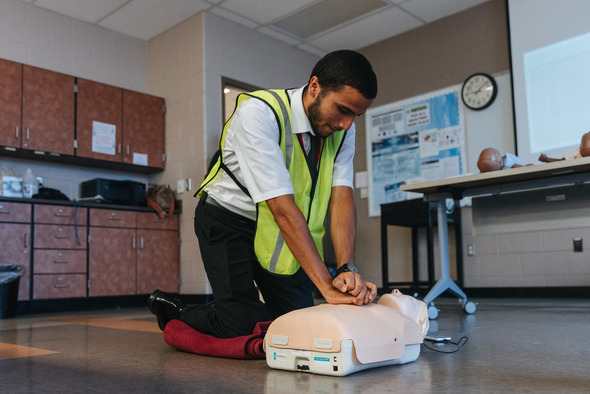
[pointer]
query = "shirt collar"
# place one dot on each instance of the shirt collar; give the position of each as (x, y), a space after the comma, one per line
(299, 121)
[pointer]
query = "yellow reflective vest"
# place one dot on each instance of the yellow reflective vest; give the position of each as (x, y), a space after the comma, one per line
(311, 193)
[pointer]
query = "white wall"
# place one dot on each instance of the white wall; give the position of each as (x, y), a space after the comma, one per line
(236, 52)
(41, 38)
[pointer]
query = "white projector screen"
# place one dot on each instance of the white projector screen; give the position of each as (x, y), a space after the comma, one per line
(550, 53)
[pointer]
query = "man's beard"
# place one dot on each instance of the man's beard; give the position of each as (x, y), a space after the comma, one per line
(313, 114)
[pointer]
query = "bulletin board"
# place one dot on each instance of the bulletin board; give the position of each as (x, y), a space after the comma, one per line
(414, 140)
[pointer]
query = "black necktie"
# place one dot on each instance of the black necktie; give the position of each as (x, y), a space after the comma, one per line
(312, 155)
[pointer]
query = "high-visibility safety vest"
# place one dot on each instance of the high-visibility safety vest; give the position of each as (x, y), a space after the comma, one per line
(311, 194)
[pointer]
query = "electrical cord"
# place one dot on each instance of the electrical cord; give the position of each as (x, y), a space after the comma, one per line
(446, 346)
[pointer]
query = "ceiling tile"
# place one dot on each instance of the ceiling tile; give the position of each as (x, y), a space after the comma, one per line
(263, 12)
(85, 10)
(146, 18)
(288, 39)
(367, 31)
(233, 17)
(325, 15)
(429, 10)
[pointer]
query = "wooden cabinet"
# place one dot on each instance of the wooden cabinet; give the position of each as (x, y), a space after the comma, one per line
(97, 102)
(15, 241)
(75, 252)
(111, 254)
(143, 129)
(48, 111)
(60, 245)
(10, 103)
(158, 253)
(132, 253)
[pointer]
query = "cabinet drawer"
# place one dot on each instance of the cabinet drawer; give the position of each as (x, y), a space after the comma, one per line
(152, 221)
(50, 236)
(57, 214)
(59, 261)
(59, 286)
(15, 212)
(112, 218)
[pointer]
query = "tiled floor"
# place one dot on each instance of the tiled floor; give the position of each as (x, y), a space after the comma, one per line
(515, 345)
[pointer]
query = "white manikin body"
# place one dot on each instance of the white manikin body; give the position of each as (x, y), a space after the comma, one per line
(342, 339)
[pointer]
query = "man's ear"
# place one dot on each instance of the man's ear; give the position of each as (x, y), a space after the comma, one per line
(314, 87)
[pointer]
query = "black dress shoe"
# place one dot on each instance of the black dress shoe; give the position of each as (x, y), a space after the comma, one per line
(165, 307)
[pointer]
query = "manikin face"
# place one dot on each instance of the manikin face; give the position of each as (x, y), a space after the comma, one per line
(333, 111)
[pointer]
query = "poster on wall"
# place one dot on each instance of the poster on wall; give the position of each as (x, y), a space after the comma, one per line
(414, 140)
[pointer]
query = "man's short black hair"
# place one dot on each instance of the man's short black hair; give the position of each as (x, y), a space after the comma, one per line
(346, 67)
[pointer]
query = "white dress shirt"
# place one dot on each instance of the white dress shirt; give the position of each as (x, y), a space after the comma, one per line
(253, 155)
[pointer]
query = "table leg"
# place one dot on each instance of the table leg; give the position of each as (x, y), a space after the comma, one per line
(445, 282)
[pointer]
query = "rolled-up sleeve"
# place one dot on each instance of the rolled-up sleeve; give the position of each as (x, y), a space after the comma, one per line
(343, 166)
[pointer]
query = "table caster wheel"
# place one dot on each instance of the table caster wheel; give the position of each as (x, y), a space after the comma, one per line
(432, 312)
(469, 307)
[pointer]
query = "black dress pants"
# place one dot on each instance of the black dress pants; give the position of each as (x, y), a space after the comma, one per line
(226, 241)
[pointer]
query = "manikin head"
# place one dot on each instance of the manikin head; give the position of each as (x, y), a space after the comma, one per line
(490, 159)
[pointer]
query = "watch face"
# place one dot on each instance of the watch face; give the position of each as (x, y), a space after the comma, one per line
(479, 91)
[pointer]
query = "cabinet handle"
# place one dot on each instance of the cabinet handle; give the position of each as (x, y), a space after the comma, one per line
(5, 211)
(114, 218)
(28, 133)
(127, 149)
(26, 240)
(17, 132)
(141, 242)
(119, 148)
(62, 236)
(61, 286)
(133, 242)
(61, 262)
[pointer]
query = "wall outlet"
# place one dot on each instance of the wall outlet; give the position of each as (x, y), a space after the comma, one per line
(471, 250)
(578, 245)
(180, 186)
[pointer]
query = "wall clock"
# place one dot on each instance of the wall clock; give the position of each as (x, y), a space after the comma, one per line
(479, 91)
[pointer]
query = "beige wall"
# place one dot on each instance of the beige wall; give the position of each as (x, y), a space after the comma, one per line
(175, 72)
(433, 57)
(436, 56)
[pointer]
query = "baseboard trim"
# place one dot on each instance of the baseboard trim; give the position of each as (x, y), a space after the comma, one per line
(95, 303)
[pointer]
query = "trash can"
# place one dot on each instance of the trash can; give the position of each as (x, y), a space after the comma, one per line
(9, 280)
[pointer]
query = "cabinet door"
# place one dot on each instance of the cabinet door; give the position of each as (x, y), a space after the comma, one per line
(157, 261)
(111, 262)
(99, 121)
(143, 129)
(15, 248)
(10, 103)
(48, 111)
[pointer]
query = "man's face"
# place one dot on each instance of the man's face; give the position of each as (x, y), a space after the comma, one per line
(332, 111)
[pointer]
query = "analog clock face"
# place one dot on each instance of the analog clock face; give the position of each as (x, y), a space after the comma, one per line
(479, 91)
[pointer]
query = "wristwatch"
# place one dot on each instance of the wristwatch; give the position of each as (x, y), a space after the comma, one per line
(347, 268)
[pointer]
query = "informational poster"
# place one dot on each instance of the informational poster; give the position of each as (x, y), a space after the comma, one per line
(414, 140)
(104, 138)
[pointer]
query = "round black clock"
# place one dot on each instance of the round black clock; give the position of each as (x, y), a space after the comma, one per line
(479, 91)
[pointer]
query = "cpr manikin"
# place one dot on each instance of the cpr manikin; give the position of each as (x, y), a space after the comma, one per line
(582, 151)
(490, 159)
(341, 339)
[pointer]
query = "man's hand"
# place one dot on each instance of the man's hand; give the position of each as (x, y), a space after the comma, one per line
(362, 292)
